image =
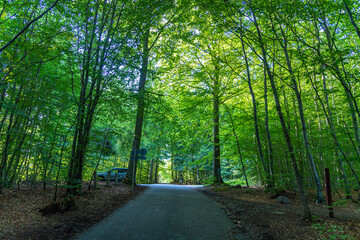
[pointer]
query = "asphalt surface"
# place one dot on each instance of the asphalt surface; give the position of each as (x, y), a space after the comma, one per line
(164, 211)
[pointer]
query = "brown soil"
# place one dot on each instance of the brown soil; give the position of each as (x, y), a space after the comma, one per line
(20, 217)
(254, 213)
(259, 216)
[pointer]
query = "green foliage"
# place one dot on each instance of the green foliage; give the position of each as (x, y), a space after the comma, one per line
(236, 182)
(208, 181)
(331, 231)
(341, 202)
(41, 79)
(222, 188)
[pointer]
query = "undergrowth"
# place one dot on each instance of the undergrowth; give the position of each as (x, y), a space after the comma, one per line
(331, 231)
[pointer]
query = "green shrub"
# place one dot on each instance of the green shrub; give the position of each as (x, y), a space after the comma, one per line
(235, 182)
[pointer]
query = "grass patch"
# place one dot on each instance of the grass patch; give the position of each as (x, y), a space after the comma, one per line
(235, 182)
(221, 188)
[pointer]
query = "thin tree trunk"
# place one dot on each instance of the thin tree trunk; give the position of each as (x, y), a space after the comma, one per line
(255, 114)
(268, 136)
(238, 148)
(351, 18)
(306, 210)
(342, 78)
(97, 45)
(156, 179)
(320, 198)
(151, 171)
(60, 163)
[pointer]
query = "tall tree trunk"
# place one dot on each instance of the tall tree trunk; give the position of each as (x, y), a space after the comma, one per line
(339, 149)
(97, 46)
(320, 198)
(306, 209)
(8, 140)
(140, 109)
(255, 114)
(351, 18)
(343, 80)
(238, 147)
(216, 129)
(4, 156)
(268, 136)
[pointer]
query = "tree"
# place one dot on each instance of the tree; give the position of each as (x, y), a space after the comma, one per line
(95, 74)
(152, 20)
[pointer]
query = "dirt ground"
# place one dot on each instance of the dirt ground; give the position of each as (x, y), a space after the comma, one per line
(254, 213)
(20, 217)
(259, 216)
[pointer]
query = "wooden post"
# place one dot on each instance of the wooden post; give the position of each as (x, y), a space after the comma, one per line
(116, 179)
(95, 179)
(328, 192)
(108, 179)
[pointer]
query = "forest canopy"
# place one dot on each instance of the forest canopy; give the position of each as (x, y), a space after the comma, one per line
(243, 92)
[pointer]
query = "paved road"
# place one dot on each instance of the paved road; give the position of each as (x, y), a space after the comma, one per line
(163, 211)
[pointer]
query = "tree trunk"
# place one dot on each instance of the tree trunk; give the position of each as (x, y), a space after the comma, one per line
(140, 108)
(238, 148)
(255, 114)
(351, 18)
(339, 149)
(216, 136)
(97, 45)
(306, 210)
(320, 198)
(268, 136)
(156, 179)
(151, 171)
(342, 78)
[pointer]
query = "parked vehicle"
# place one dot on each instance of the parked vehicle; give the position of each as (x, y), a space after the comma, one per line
(121, 174)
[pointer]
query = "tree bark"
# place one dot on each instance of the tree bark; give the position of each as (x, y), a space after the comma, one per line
(320, 198)
(216, 128)
(351, 18)
(268, 136)
(306, 209)
(255, 114)
(238, 148)
(342, 78)
(97, 42)
(27, 26)
(156, 174)
(140, 109)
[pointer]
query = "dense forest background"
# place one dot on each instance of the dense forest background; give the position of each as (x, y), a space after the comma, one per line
(246, 92)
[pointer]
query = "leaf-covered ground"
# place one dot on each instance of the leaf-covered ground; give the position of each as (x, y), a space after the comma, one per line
(20, 217)
(254, 213)
(259, 216)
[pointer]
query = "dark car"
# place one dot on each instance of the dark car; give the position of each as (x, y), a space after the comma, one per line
(121, 174)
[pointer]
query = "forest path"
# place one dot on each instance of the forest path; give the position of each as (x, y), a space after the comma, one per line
(164, 211)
